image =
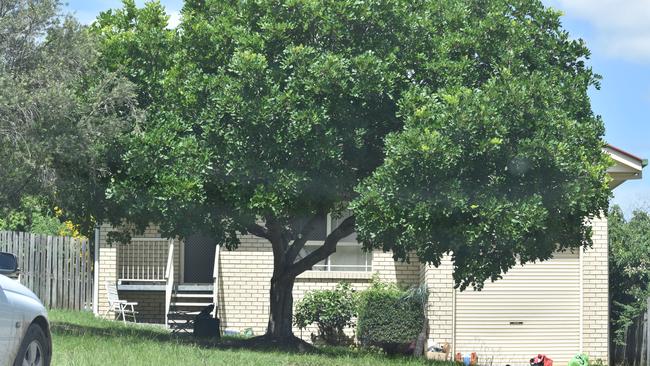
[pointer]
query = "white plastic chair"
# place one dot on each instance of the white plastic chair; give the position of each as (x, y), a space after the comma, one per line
(123, 308)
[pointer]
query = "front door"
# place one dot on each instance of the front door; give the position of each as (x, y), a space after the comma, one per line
(199, 259)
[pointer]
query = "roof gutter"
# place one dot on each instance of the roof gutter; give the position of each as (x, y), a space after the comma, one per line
(643, 162)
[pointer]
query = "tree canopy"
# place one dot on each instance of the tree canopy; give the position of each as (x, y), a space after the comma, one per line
(446, 127)
(58, 109)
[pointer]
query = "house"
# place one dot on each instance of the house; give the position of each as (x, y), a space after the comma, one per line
(558, 307)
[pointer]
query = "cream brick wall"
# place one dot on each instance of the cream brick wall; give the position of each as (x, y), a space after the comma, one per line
(595, 294)
(440, 311)
(402, 273)
(243, 292)
(107, 268)
(245, 276)
(317, 280)
(151, 305)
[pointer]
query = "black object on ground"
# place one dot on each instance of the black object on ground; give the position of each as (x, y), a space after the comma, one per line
(205, 325)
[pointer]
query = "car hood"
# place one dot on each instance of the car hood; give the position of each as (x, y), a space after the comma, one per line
(10, 285)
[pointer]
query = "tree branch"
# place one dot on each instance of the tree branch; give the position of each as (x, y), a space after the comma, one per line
(300, 242)
(328, 248)
(258, 230)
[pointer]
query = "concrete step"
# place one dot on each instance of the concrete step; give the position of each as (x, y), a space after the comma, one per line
(192, 295)
(202, 304)
(183, 314)
(179, 321)
(194, 287)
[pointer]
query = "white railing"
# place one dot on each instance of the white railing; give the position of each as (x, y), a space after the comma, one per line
(169, 280)
(143, 259)
(215, 277)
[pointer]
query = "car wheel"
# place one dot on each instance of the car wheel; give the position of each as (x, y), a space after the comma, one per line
(35, 349)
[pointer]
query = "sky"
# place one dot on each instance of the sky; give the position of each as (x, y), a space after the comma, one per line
(618, 35)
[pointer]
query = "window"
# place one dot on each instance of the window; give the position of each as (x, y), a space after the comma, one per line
(348, 257)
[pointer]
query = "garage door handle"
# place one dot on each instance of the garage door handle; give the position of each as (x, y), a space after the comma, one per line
(516, 323)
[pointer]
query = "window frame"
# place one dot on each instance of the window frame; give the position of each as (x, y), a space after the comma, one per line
(327, 267)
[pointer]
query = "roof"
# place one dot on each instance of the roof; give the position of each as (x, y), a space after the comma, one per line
(627, 166)
(642, 162)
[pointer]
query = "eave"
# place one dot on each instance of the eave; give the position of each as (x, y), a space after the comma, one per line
(626, 166)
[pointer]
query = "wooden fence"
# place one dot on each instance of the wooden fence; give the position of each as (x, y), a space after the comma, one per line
(57, 269)
(635, 350)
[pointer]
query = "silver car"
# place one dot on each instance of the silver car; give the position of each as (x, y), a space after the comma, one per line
(25, 338)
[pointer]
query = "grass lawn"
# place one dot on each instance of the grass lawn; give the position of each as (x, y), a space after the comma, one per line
(81, 339)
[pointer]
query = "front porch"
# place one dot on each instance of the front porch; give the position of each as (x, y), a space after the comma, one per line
(168, 278)
(151, 270)
(146, 263)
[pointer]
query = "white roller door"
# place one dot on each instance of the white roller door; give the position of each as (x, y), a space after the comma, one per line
(533, 309)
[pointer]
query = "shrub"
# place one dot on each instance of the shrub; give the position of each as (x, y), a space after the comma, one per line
(389, 317)
(331, 310)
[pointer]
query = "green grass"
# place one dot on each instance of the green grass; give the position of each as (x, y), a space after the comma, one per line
(82, 339)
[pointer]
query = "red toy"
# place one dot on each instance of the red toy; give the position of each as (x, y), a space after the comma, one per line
(541, 360)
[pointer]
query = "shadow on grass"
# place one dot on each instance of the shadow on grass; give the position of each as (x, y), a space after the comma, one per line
(257, 344)
(153, 333)
(78, 330)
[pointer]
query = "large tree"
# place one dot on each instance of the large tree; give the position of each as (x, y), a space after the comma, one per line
(445, 126)
(58, 109)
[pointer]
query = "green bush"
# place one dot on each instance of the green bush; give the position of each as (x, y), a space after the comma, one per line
(331, 310)
(389, 317)
(34, 215)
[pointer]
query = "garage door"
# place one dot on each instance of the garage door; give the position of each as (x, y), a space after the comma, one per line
(533, 309)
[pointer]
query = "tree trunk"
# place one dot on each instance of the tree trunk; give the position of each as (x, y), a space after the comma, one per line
(281, 311)
(285, 271)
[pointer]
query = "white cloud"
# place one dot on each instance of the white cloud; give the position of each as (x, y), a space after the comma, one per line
(174, 19)
(621, 28)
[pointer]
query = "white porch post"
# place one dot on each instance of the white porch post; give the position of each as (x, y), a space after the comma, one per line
(215, 276)
(169, 279)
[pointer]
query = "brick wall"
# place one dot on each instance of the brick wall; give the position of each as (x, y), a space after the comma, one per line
(245, 276)
(440, 310)
(595, 295)
(315, 280)
(244, 285)
(151, 305)
(402, 273)
(107, 268)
